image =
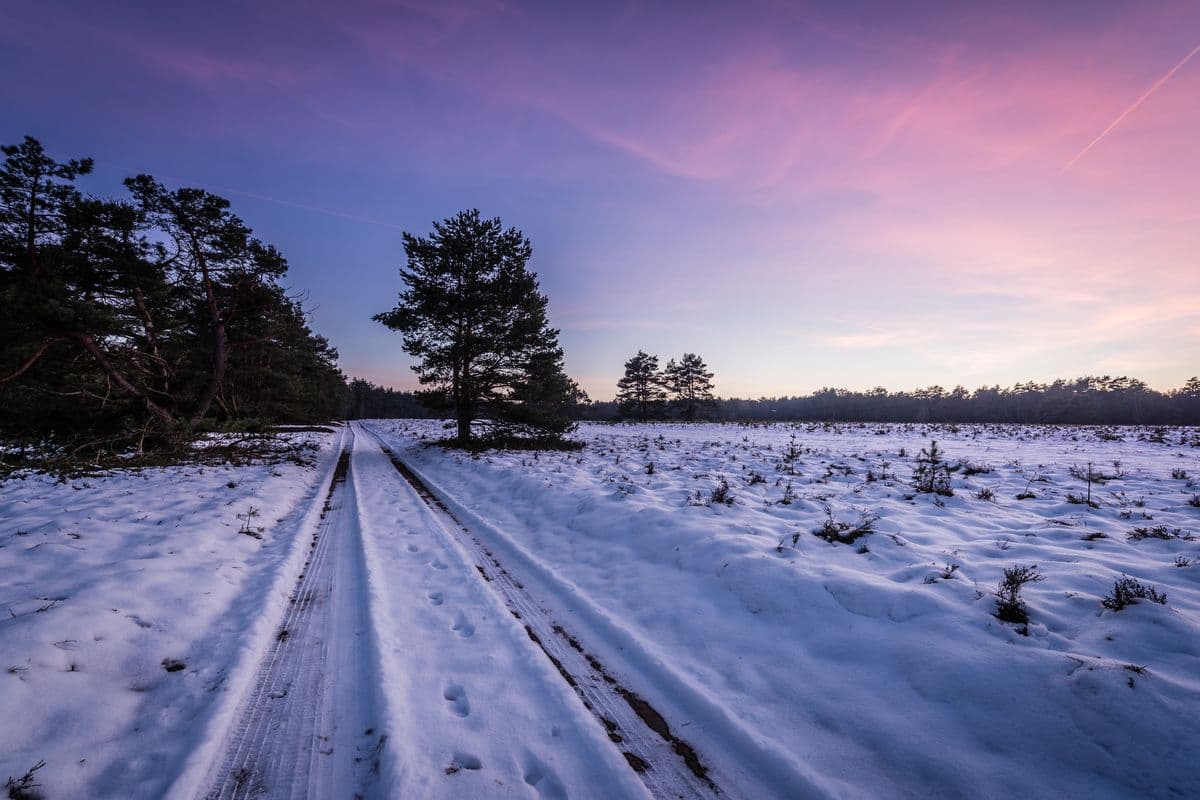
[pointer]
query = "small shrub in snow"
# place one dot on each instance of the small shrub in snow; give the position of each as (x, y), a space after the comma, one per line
(789, 495)
(795, 537)
(1010, 607)
(1158, 532)
(946, 573)
(756, 477)
(1091, 476)
(650, 468)
(970, 468)
(932, 473)
(1082, 500)
(837, 531)
(1127, 591)
(1179, 474)
(247, 528)
(1195, 501)
(1094, 535)
(25, 787)
(1184, 561)
(986, 494)
(723, 493)
(1027, 493)
(791, 455)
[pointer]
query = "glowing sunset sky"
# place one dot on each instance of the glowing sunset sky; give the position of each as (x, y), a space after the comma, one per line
(806, 194)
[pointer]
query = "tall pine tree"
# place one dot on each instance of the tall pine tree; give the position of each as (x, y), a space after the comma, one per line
(690, 385)
(472, 313)
(640, 391)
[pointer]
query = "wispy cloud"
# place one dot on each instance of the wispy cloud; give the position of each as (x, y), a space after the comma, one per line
(804, 193)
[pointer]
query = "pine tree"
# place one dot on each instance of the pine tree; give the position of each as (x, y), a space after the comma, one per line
(546, 402)
(640, 392)
(143, 318)
(472, 313)
(931, 475)
(227, 273)
(34, 191)
(690, 385)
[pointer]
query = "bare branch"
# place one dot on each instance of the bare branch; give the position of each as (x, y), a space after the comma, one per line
(33, 359)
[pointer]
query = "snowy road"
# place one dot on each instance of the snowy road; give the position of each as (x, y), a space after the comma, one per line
(668, 765)
(308, 729)
(411, 663)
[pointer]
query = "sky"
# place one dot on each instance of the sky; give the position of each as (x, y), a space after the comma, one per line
(849, 194)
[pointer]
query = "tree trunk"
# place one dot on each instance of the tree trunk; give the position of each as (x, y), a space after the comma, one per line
(220, 342)
(31, 227)
(151, 336)
(89, 344)
(464, 405)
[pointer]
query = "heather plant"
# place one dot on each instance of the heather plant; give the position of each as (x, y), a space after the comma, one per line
(1010, 606)
(722, 493)
(836, 531)
(1127, 591)
(1158, 532)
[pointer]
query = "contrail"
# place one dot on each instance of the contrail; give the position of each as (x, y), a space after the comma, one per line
(316, 209)
(1157, 85)
(265, 198)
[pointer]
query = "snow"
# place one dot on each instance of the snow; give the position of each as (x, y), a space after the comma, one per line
(835, 672)
(104, 579)
(796, 667)
(474, 709)
(424, 669)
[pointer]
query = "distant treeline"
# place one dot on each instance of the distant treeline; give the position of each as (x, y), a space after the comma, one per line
(368, 401)
(1081, 401)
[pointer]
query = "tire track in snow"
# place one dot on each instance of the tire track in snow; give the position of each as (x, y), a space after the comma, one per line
(306, 730)
(668, 765)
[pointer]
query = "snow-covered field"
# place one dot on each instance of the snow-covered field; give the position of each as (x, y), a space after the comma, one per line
(139, 620)
(129, 602)
(878, 668)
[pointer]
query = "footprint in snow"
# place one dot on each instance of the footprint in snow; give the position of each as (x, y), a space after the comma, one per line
(456, 695)
(460, 626)
(435, 598)
(412, 548)
(437, 563)
(463, 761)
(542, 778)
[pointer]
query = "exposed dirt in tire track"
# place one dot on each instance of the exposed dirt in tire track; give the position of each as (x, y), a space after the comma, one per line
(667, 764)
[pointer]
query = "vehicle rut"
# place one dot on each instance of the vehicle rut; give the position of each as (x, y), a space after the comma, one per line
(305, 729)
(667, 764)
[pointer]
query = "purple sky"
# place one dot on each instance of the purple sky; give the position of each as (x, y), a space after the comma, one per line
(805, 194)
